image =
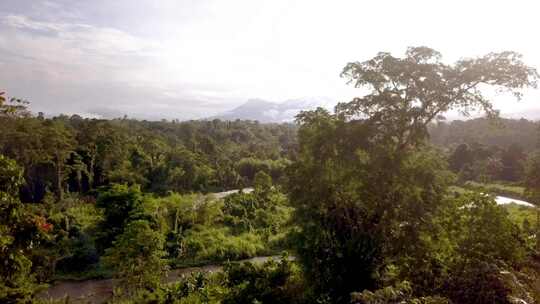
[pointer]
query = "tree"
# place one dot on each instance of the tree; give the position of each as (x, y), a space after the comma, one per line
(271, 282)
(262, 184)
(407, 94)
(58, 147)
(364, 186)
(532, 188)
(137, 256)
(18, 231)
(121, 204)
(512, 160)
(264, 209)
(461, 157)
(484, 246)
(402, 293)
(13, 107)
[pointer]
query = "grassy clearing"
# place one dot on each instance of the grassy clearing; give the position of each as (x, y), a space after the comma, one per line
(518, 214)
(511, 191)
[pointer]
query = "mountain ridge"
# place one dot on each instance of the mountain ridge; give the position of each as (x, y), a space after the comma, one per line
(274, 112)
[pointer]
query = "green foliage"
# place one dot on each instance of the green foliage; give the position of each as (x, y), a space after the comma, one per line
(81, 155)
(137, 256)
(219, 244)
(13, 107)
(407, 94)
(196, 288)
(476, 281)
(19, 228)
(474, 244)
(272, 282)
(79, 221)
(120, 204)
(264, 210)
(532, 179)
(508, 190)
(356, 203)
(484, 131)
(200, 229)
(512, 160)
(364, 187)
(402, 293)
(482, 230)
(532, 188)
(371, 211)
(249, 167)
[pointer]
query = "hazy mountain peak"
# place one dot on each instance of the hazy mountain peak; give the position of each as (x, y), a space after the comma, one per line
(267, 111)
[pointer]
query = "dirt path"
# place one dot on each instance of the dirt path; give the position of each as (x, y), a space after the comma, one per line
(99, 291)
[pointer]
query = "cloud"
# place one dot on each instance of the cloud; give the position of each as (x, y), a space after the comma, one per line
(22, 22)
(196, 58)
(70, 67)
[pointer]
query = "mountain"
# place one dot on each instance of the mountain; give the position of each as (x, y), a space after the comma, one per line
(266, 111)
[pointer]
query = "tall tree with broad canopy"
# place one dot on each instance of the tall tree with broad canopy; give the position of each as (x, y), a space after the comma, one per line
(365, 185)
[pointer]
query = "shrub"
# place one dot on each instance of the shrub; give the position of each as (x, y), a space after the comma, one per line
(137, 257)
(217, 244)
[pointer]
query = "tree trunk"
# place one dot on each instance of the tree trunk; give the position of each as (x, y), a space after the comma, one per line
(176, 221)
(59, 178)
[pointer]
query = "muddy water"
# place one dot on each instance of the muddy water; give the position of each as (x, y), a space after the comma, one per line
(99, 291)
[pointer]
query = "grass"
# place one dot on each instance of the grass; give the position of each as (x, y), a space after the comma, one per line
(205, 245)
(516, 213)
(511, 191)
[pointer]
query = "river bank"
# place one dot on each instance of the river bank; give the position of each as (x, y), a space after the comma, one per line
(99, 291)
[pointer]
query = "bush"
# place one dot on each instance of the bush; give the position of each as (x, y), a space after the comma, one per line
(137, 257)
(475, 281)
(273, 282)
(402, 293)
(218, 244)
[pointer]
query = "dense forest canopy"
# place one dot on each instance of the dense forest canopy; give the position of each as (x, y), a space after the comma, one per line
(501, 133)
(376, 202)
(72, 154)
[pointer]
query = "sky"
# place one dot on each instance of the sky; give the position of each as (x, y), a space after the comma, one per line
(183, 59)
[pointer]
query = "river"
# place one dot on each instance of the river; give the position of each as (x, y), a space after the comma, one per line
(99, 291)
(502, 200)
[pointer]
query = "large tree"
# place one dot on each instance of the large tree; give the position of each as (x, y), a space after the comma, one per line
(365, 185)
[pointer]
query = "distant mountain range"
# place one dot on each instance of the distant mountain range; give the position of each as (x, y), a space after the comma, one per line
(266, 111)
(276, 112)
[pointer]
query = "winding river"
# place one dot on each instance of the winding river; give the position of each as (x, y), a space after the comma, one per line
(99, 291)
(501, 200)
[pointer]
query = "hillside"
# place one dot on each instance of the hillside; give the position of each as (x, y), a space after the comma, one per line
(504, 133)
